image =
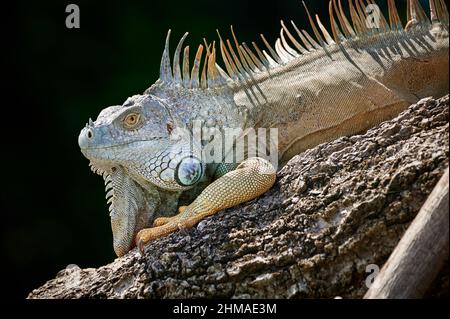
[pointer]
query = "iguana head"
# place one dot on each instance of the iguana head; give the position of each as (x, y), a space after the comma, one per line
(140, 150)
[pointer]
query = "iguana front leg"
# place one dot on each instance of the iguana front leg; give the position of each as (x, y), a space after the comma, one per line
(250, 179)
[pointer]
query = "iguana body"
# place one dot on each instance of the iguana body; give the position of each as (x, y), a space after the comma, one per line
(312, 91)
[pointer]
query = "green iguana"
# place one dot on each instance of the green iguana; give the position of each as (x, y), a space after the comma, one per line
(312, 89)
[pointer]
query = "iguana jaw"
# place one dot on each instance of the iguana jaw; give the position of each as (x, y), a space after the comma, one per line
(134, 175)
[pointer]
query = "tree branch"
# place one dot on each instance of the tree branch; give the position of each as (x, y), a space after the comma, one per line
(421, 252)
(335, 211)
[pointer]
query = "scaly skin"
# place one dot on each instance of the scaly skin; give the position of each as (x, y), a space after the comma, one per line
(152, 157)
(249, 180)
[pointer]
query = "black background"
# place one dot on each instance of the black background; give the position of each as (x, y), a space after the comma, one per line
(54, 208)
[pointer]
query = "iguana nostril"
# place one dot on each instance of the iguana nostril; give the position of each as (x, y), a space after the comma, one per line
(89, 134)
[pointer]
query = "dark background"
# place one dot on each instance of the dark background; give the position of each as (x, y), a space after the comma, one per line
(55, 208)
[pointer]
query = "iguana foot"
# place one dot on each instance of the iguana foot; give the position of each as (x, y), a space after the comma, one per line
(164, 220)
(250, 179)
(148, 234)
(188, 217)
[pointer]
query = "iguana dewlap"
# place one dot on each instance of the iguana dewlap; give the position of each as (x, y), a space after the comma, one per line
(154, 150)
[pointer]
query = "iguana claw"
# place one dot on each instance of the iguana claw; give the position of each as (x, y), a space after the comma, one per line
(141, 246)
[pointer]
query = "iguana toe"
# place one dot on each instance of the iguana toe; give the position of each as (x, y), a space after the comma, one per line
(161, 221)
(181, 209)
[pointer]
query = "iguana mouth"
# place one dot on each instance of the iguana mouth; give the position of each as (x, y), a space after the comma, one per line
(120, 145)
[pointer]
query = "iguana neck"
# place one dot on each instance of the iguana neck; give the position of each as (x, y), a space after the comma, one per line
(213, 107)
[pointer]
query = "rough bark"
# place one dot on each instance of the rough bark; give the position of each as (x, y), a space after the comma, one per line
(334, 210)
(407, 272)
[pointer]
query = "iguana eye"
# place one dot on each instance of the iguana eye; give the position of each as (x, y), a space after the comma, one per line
(188, 171)
(131, 120)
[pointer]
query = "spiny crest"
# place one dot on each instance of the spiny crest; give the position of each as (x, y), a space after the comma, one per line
(242, 62)
(211, 75)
